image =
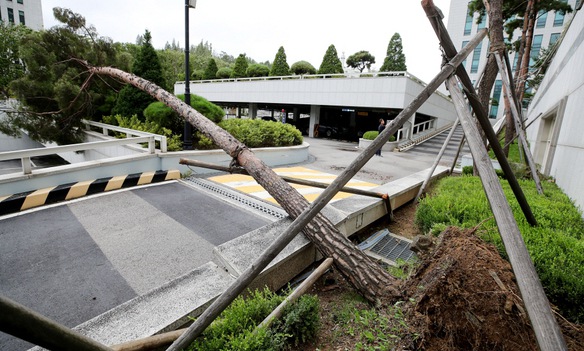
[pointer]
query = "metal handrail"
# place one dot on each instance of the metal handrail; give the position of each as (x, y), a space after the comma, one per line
(25, 155)
(129, 132)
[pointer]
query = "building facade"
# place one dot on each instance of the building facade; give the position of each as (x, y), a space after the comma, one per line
(25, 12)
(462, 26)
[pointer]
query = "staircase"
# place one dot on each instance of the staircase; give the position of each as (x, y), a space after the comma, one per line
(433, 144)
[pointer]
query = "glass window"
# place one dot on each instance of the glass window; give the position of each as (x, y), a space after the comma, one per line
(559, 19)
(482, 24)
(468, 24)
(553, 38)
(535, 48)
(541, 19)
(515, 61)
(496, 99)
(476, 57)
(21, 17)
(464, 43)
(10, 15)
(20, 1)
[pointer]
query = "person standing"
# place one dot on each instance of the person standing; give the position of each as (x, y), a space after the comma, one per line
(380, 129)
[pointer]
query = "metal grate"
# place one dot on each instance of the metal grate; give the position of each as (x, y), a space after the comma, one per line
(238, 197)
(388, 247)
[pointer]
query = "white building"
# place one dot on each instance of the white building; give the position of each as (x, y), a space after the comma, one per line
(556, 125)
(462, 27)
(26, 12)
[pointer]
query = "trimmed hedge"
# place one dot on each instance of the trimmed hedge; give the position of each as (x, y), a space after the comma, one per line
(256, 133)
(556, 244)
(372, 134)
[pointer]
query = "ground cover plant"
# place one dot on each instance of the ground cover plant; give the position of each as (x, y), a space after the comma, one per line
(556, 244)
(234, 329)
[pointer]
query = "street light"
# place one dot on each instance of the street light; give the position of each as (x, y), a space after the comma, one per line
(187, 141)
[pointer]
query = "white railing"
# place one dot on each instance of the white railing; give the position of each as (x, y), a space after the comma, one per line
(105, 128)
(420, 127)
(308, 76)
(26, 155)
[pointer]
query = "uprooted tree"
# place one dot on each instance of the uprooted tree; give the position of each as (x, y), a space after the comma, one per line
(369, 278)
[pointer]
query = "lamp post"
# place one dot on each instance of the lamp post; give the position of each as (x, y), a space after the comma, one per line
(187, 141)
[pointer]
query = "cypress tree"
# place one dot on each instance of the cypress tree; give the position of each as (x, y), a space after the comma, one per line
(280, 66)
(240, 67)
(132, 101)
(211, 69)
(395, 59)
(330, 62)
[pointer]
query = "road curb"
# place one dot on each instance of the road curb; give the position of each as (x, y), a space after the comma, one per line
(23, 201)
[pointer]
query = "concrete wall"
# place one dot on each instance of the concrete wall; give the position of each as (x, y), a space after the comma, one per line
(394, 92)
(555, 135)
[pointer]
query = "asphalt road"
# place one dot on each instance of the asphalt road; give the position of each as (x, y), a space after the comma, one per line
(74, 261)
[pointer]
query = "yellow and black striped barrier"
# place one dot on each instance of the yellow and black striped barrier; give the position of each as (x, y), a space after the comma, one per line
(30, 199)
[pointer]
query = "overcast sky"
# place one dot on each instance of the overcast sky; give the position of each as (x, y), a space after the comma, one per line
(259, 27)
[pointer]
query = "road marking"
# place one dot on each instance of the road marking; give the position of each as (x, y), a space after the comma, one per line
(248, 185)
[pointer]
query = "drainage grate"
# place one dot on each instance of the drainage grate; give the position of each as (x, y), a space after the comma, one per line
(388, 247)
(237, 197)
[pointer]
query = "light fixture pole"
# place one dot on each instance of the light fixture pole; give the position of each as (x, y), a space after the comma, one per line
(187, 140)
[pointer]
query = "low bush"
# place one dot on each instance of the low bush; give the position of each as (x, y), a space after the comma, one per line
(256, 133)
(372, 134)
(556, 244)
(173, 141)
(234, 329)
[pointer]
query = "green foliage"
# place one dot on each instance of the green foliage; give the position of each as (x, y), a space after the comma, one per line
(173, 141)
(556, 244)
(375, 329)
(172, 63)
(280, 66)
(233, 330)
(361, 60)
(132, 101)
(395, 60)
(52, 78)
(257, 70)
(224, 73)
(259, 133)
(403, 269)
(513, 12)
(372, 134)
(210, 69)
(331, 64)
(11, 66)
(302, 67)
(240, 67)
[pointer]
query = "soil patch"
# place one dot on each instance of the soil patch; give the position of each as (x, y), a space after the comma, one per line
(464, 296)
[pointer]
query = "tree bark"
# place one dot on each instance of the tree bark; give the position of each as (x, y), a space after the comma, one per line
(369, 278)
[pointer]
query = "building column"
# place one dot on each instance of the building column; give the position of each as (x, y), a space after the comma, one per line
(253, 111)
(314, 119)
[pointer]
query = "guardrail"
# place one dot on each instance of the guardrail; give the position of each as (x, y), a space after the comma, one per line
(26, 155)
(106, 128)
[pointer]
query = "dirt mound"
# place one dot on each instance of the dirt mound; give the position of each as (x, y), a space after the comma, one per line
(467, 299)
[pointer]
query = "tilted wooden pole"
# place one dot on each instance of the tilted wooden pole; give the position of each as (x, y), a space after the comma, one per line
(435, 17)
(28, 325)
(460, 146)
(509, 92)
(314, 208)
(440, 153)
(547, 331)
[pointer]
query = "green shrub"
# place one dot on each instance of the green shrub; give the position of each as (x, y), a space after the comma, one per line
(256, 133)
(173, 141)
(233, 330)
(372, 134)
(556, 244)
(257, 70)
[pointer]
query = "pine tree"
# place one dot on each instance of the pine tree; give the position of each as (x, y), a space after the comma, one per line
(361, 60)
(211, 69)
(280, 66)
(395, 60)
(330, 62)
(240, 67)
(132, 101)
